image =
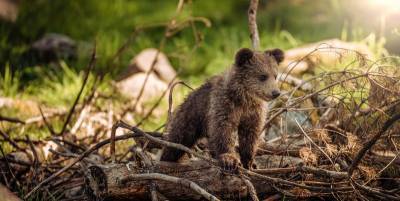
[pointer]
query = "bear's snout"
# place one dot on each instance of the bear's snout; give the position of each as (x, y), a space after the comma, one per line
(275, 94)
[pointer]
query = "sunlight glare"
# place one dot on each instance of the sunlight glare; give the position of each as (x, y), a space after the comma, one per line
(393, 5)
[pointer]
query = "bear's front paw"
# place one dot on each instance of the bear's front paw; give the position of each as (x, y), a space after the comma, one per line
(250, 165)
(229, 162)
(254, 166)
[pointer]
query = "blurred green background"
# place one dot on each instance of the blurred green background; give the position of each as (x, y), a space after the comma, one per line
(282, 23)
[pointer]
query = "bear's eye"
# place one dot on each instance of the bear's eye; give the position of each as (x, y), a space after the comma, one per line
(263, 78)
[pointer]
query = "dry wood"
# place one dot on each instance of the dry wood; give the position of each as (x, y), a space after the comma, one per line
(175, 180)
(107, 181)
(250, 188)
(252, 16)
(81, 157)
(371, 143)
(11, 119)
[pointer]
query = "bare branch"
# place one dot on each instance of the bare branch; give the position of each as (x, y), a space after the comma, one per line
(252, 16)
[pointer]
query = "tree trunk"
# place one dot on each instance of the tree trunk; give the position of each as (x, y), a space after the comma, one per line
(104, 182)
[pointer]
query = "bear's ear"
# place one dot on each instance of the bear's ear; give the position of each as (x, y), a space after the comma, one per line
(277, 54)
(243, 56)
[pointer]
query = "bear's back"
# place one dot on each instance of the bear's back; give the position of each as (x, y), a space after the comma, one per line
(193, 111)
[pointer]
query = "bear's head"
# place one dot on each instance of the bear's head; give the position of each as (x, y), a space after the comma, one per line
(257, 72)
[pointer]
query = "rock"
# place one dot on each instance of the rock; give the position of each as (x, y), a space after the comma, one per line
(275, 161)
(294, 67)
(289, 119)
(132, 85)
(143, 62)
(28, 106)
(9, 10)
(329, 52)
(21, 156)
(53, 47)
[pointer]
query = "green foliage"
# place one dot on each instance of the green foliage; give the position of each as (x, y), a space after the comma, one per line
(376, 45)
(9, 82)
(111, 22)
(58, 88)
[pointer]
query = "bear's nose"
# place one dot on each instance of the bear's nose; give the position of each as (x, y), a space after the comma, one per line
(275, 94)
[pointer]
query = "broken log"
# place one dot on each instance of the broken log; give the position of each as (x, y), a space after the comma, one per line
(129, 181)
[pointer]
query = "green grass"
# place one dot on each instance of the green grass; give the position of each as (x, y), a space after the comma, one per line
(9, 82)
(110, 23)
(58, 88)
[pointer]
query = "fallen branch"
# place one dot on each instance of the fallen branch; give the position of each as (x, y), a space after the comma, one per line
(111, 182)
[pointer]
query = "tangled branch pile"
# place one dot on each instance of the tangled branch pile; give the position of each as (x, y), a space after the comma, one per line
(337, 138)
(334, 135)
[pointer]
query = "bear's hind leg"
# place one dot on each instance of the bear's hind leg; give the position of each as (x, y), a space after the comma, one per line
(185, 134)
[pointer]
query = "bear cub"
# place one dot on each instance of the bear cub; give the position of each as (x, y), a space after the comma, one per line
(228, 106)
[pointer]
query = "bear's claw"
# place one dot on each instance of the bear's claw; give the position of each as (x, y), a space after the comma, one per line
(229, 162)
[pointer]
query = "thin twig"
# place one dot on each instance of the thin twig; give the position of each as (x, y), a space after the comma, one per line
(8, 166)
(167, 33)
(374, 191)
(122, 124)
(49, 126)
(9, 140)
(85, 79)
(305, 97)
(170, 101)
(312, 141)
(11, 119)
(82, 156)
(307, 169)
(157, 102)
(250, 188)
(370, 143)
(214, 162)
(153, 192)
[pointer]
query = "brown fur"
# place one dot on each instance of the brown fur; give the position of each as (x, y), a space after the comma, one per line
(227, 106)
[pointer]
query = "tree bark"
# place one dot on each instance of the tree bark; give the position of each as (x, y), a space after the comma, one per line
(252, 17)
(105, 182)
